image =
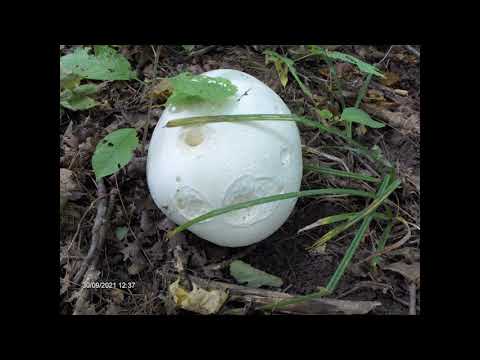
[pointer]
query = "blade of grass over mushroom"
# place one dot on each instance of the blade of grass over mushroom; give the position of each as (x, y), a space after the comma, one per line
(329, 171)
(360, 216)
(360, 149)
(199, 120)
(267, 199)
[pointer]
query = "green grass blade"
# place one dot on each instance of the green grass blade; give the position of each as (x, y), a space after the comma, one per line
(304, 88)
(347, 258)
(363, 90)
(340, 217)
(329, 171)
(383, 185)
(361, 215)
(267, 199)
(383, 240)
(336, 79)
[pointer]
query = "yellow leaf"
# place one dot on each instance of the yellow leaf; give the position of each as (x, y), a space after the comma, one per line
(198, 300)
(282, 70)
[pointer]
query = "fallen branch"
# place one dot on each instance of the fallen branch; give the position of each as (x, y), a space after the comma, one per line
(99, 230)
(258, 297)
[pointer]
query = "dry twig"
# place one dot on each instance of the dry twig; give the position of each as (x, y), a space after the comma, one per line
(98, 231)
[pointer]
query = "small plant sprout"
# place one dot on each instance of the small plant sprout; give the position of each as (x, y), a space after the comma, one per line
(192, 170)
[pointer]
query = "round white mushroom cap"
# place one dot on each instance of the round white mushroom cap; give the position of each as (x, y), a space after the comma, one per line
(195, 169)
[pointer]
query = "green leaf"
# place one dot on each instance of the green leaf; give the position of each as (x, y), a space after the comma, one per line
(114, 152)
(121, 232)
(352, 114)
(325, 114)
(336, 55)
(106, 64)
(75, 102)
(244, 273)
(85, 89)
(188, 88)
(68, 80)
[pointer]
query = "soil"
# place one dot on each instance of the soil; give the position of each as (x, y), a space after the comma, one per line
(148, 257)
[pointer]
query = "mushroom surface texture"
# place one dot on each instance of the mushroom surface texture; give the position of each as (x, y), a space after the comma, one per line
(192, 170)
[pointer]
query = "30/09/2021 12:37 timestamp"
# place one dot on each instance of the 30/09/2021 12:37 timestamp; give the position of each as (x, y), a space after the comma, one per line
(110, 285)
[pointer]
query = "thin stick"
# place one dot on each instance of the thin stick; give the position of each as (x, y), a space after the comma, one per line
(81, 220)
(383, 59)
(200, 52)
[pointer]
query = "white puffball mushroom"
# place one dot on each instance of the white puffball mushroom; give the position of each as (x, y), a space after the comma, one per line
(195, 169)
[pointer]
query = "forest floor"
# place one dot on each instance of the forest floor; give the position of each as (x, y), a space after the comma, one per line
(150, 262)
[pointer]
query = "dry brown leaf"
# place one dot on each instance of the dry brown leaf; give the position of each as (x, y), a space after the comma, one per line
(198, 300)
(405, 120)
(67, 186)
(374, 95)
(361, 130)
(409, 271)
(117, 296)
(161, 91)
(390, 78)
(130, 251)
(137, 267)
(409, 253)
